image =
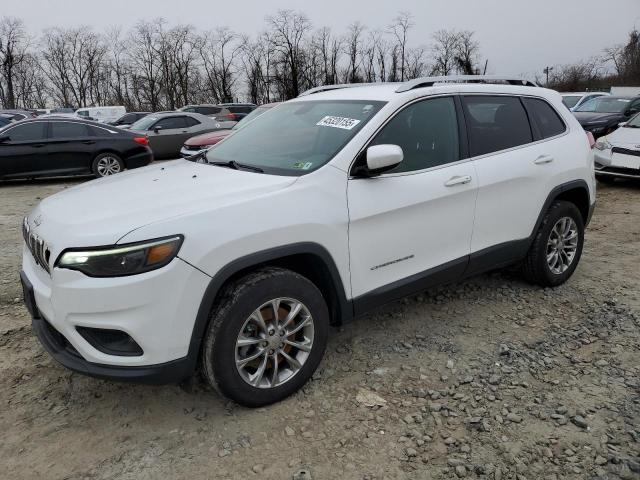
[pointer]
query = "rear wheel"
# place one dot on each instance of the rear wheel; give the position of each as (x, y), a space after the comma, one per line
(107, 164)
(266, 337)
(557, 247)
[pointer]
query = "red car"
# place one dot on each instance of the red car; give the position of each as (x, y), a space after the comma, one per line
(196, 144)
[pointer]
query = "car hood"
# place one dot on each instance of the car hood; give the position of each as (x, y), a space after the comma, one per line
(207, 138)
(101, 212)
(625, 136)
(588, 118)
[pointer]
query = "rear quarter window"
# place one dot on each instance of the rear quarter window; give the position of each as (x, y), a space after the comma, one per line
(545, 117)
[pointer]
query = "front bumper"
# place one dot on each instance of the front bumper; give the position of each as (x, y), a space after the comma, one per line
(617, 164)
(156, 309)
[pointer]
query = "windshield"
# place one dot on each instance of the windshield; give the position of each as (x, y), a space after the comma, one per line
(571, 100)
(604, 105)
(144, 123)
(256, 113)
(634, 122)
(296, 137)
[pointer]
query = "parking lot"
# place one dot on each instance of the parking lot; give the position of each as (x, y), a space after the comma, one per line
(490, 378)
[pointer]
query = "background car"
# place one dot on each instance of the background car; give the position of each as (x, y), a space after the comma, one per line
(128, 119)
(601, 115)
(618, 155)
(61, 146)
(167, 132)
(5, 120)
(575, 99)
(18, 114)
(239, 110)
(101, 114)
(219, 113)
(195, 145)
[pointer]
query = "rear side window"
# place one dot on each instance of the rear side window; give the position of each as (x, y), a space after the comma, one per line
(68, 130)
(495, 123)
(27, 132)
(191, 121)
(545, 117)
(171, 122)
(427, 132)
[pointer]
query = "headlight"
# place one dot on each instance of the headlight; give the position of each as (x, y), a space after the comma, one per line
(121, 260)
(603, 144)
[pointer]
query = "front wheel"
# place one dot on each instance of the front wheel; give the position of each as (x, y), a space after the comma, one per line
(557, 247)
(107, 164)
(266, 337)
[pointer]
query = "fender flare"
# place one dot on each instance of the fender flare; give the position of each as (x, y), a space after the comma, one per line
(344, 306)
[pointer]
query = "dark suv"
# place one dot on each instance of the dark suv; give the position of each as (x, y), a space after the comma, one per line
(239, 110)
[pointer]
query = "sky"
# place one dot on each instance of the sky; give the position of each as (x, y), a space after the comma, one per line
(516, 36)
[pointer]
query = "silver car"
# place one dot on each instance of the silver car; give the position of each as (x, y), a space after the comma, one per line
(168, 131)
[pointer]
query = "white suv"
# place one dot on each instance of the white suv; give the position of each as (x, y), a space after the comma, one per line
(321, 209)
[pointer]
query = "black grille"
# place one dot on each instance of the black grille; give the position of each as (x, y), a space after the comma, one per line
(37, 247)
(111, 342)
(626, 151)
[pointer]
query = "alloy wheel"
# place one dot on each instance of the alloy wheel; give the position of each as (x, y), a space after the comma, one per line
(274, 343)
(562, 245)
(108, 166)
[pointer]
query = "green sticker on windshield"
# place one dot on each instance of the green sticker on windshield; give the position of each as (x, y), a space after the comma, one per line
(303, 165)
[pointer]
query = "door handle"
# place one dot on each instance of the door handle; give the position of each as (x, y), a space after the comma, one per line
(38, 145)
(458, 180)
(89, 142)
(542, 159)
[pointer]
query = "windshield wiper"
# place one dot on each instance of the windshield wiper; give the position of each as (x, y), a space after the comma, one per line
(237, 166)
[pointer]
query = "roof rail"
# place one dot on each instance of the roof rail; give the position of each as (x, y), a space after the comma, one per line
(430, 81)
(337, 86)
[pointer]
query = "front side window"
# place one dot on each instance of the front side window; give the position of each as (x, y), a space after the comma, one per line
(144, 123)
(427, 132)
(169, 123)
(495, 123)
(296, 137)
(68, 130)
(547, 120)
(27, 132)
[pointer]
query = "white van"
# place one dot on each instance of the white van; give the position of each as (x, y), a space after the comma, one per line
(101, 114)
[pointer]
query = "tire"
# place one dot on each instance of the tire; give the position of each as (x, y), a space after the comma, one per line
(107, 164)
(606, 179)
(537, 266)
(237, 311)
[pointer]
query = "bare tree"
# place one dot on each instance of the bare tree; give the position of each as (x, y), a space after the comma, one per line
(219, 51)
(289, 30)
(466, 53)
(443, 52)
(352, 43)
(13, 51)
(400, 30)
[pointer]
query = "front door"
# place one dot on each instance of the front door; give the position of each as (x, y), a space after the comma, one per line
(25, 150)
(412, 226)
(71, 147)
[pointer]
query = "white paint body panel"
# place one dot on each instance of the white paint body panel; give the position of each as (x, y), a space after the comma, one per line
(227, 214)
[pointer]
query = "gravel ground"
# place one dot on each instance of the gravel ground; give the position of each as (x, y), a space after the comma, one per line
(490, 378)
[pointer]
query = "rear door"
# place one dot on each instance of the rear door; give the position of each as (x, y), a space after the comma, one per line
(515, 170)
(26, 150)
(167, 135)
(72, 147)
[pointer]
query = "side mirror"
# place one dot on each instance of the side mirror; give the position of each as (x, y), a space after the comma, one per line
(381, 158)
(157, 129)
(4, 138)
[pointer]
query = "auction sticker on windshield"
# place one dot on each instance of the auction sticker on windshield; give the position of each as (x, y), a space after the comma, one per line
(338, 122)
